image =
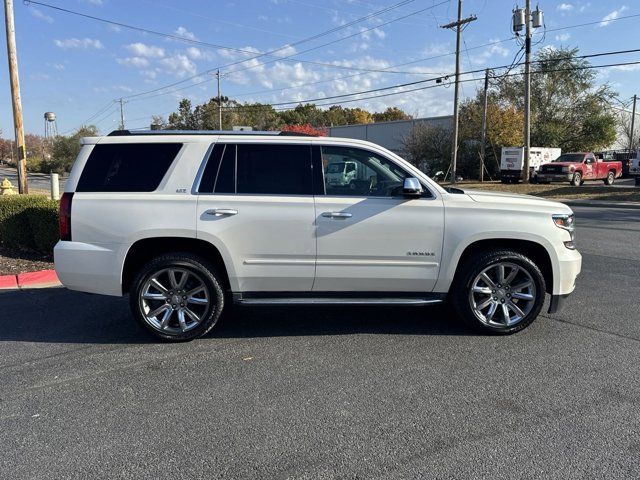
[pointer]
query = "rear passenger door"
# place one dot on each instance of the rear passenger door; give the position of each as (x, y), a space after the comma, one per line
(255, 203)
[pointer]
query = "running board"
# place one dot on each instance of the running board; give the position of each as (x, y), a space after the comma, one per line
(337, 301)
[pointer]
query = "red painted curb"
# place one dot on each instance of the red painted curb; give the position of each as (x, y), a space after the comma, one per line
(8, 281)
(32, 279)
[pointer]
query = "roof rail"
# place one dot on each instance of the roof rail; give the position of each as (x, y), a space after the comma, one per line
(122, 133)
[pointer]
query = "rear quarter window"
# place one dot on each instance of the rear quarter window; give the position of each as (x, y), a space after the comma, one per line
(127, 167)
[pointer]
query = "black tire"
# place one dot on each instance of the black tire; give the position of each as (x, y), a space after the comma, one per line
(576, 181)
(202, 273)
(505, 180)
(460, 296)
(610, 178)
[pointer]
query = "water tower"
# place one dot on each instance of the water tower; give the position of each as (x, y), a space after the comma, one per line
(50, 125)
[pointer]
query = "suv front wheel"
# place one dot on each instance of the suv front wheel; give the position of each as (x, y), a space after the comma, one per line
(499, 291)
(177, 297)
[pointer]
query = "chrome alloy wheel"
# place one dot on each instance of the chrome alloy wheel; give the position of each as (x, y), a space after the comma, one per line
(174, 300)
(502, 294)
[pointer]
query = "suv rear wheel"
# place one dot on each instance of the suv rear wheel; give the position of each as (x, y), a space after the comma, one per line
(499, 291)
(177, 297)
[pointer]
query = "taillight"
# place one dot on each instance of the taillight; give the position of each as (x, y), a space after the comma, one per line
(65, 216)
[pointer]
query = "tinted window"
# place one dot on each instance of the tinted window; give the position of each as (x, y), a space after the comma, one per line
(226, 181)
(208, 179)
(127, 167)
(274, 169)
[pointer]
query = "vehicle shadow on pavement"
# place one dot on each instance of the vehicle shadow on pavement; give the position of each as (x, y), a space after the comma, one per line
(58, 315)
(245, 322)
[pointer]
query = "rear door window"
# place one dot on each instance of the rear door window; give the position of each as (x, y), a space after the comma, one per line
(127, 167)
(274, 169)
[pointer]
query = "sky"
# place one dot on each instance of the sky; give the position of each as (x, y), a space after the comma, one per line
(77, 67)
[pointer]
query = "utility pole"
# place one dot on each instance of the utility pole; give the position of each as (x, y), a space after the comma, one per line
(527, 93)
(121, 102)
(16, 101)
(458, 26)
(633, 125)
(219, 102)
(484, 124)
(527, 19)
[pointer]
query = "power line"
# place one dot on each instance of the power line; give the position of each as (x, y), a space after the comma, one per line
(533, 72)
(224, 47)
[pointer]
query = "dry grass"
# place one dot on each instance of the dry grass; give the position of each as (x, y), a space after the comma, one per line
(560, 191)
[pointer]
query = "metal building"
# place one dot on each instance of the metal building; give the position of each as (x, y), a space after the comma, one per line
(388, 134)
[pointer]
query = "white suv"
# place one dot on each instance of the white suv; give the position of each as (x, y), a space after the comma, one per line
(185, 222)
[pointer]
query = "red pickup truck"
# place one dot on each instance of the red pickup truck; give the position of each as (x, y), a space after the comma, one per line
(577, 167)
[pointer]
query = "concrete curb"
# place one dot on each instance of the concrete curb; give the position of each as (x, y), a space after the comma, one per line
(40, 279)
(601, 204)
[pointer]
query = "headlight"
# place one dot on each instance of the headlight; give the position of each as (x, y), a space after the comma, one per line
(566, 221)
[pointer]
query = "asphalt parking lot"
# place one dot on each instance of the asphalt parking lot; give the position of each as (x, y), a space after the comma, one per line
(331, 393)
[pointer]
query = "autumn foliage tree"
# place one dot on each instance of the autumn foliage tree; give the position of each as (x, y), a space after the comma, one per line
(305, 129)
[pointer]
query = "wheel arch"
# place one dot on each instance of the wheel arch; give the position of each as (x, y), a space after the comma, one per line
(534, 250)
(144, 250)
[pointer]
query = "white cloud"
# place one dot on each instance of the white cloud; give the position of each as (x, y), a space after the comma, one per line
(39, 14)
(197, 54)
(141, 50)
(94, 2)
(135, 62)
(563, 37)
(492, 51)
(184, 33)
(565, 7)
(606, 20)
(85, 43)
(180, 65)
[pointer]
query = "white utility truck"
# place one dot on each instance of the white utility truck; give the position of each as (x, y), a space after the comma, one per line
(512, 159)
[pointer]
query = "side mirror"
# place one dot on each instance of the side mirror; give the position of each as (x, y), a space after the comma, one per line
(411, 187)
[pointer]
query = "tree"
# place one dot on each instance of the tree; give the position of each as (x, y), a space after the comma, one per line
(391, 114)
(505, 125)
(185, 118)
(428, 147)
(358, 116)
(305, 129)
(567, 109)
(65, 150)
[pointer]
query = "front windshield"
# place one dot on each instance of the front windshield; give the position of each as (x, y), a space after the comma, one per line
(335, 168)
(570, 157)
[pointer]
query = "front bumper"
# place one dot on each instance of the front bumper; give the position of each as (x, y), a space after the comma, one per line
(557, 303)
(555, 177)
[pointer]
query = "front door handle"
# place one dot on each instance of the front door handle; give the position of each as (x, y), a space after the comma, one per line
(337, 215)
(222, 212)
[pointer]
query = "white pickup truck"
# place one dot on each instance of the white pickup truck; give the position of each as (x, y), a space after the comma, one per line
(185, 222)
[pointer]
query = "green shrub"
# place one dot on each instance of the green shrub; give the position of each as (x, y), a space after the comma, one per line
(43, 220)
(28, 222)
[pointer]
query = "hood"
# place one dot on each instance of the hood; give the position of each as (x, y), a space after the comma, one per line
(509, 199)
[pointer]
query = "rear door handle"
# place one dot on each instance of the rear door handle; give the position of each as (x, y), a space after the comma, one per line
(337, 215)
(222, 212)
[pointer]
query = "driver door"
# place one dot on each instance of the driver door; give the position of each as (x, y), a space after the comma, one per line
(589, 168)
(369, 237)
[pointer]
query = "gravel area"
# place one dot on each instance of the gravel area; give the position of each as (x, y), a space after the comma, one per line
(12, 262)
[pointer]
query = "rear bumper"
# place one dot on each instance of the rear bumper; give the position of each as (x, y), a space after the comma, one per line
(511, 174)
(89, 268)
(555, 177)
